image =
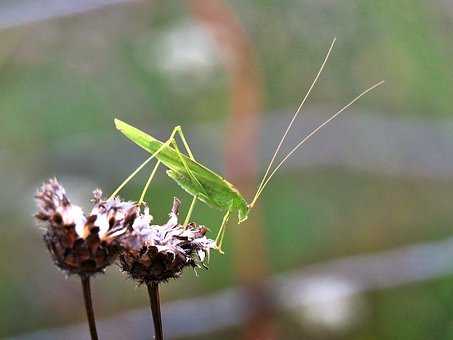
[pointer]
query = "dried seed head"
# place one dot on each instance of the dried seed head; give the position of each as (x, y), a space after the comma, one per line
(156, 253)
(81, 244)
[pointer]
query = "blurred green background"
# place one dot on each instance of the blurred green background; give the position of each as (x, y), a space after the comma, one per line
(63, 80)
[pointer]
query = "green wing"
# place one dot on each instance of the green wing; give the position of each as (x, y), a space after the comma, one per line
(211, 188)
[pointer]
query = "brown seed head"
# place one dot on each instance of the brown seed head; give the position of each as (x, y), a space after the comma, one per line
(156, 253)
(81, 244)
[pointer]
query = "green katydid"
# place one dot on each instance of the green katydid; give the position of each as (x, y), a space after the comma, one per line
(201, 182)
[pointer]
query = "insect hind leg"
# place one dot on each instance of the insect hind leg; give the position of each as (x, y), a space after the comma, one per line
(178, 130)
(170, 140)
(141, 166)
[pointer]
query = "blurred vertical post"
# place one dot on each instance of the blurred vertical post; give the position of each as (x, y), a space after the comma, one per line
(241, 155)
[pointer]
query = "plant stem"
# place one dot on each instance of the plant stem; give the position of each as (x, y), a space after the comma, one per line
(153, 291)
(89, 305)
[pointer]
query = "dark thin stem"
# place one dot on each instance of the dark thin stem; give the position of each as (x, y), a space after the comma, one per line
(153, 291)
(89, 305)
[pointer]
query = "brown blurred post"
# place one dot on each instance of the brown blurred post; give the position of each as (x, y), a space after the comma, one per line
(241, 163)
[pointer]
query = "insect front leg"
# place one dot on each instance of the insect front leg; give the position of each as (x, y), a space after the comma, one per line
(221, 234)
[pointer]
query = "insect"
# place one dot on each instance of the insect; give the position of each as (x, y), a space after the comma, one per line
(201, 182)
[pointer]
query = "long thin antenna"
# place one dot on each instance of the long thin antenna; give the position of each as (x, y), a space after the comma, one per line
(294, 118)
(311, 134)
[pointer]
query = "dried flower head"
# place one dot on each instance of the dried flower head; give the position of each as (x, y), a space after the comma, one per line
(156, 253)
(81, 244)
